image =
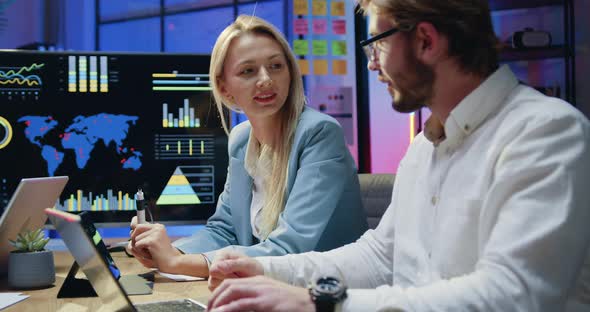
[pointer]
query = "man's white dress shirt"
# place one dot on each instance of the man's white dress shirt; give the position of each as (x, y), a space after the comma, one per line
(494, 218)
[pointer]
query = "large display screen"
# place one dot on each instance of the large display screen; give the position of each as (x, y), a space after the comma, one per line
(114, 123)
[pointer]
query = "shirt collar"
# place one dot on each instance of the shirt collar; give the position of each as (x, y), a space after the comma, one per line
(485, 100)
(252, 152)
(258, 160)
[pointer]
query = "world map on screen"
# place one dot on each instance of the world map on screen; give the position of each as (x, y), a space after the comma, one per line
(80, 137)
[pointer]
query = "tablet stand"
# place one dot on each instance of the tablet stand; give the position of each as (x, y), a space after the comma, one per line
(75, 287)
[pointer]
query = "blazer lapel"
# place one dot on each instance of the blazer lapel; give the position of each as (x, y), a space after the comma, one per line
(240, 201)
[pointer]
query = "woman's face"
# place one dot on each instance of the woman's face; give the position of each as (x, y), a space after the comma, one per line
(256, 76)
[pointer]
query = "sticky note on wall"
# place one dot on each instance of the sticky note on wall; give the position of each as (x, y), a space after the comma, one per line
(300, 47)
(319, 47)
(337, 8)
(300, 26)
(320, 67)
(320, 26)
(300, 7)
(319, 7)
(303, 66)
(339, 67)
(338, 47)
(339, 27)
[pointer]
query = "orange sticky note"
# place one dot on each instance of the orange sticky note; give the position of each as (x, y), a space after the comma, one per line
(303, 66)
(300, 7)
(319, 7)
(337, 8)
(320, 67)
(339, 67)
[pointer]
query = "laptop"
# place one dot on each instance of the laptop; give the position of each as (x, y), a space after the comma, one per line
(109, 290)
(25, 210)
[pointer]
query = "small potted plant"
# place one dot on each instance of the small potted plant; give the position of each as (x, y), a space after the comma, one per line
(30, 265)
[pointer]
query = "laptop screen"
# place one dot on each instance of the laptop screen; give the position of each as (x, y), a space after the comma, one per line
(25, 210)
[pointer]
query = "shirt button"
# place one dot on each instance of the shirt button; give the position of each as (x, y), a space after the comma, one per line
(433, 200)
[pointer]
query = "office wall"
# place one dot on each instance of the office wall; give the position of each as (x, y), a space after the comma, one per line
(582, 7)
(390, 131)
(21, 22)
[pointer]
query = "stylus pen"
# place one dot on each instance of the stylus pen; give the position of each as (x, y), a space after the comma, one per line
(139, 206)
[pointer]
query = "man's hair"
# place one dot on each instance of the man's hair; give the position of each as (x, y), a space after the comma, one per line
(467, 24)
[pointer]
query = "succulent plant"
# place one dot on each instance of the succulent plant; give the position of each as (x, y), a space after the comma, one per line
(30, 241)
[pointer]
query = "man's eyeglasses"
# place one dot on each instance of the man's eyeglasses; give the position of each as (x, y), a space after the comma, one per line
(369, 45)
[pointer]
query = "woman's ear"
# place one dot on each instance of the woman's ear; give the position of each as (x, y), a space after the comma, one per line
(224, 92)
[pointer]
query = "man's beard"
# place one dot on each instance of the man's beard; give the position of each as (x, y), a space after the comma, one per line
(414, 86)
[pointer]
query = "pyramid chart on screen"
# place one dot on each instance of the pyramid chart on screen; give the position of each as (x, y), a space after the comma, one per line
(178, 191)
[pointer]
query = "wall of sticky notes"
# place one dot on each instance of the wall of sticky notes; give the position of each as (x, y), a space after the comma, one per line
(322, 36)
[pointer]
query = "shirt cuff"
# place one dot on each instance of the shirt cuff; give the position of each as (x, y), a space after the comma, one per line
(360, 300)
(266, 266)
(207, 260)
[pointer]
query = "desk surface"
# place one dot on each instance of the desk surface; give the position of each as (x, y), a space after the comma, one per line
(46, 299)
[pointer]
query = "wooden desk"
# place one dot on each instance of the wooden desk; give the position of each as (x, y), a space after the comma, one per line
(42, 300)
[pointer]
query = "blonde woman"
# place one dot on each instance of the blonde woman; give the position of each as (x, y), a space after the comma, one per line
(291, 185)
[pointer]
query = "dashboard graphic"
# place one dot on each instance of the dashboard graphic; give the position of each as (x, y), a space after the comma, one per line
(21, 81)
(114, 123)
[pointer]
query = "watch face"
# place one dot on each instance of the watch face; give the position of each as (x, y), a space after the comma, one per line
(328, 286)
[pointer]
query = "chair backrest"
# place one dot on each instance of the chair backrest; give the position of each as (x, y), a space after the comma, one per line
(376, 195)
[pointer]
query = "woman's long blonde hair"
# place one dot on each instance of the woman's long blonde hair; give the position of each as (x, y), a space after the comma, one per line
(274, 201)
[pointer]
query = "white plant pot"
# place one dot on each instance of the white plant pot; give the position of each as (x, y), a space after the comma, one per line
(31, 269)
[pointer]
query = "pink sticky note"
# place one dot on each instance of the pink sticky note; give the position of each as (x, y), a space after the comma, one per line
(300, 26)
(320, 26)
(339, 27)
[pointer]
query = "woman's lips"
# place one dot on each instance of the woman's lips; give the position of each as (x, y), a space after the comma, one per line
(265, 98)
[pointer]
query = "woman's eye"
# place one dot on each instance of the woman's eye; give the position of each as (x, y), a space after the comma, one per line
(276, 66)
(246, 71)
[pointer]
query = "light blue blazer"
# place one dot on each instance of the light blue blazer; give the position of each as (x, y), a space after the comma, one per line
(323, 206)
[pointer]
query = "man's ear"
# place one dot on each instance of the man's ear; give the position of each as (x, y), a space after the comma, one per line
(431, 45)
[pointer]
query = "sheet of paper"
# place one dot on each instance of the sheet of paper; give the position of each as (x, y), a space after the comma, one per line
(180, 277)
(8, 299)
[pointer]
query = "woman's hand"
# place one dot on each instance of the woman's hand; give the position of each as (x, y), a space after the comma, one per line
(152, 247)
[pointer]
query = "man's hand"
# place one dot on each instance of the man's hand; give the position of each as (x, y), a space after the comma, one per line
(259, 293)
(151, 246)
(230, 264)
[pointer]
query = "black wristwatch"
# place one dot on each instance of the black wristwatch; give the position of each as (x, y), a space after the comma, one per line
(327, 293)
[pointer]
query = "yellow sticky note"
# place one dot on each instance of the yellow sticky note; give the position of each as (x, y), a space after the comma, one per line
(338, 47)
(319, 47)
(318, 7)
(300, 47)
(320, 67)
(337, 8)
(300, 7)
(339, 67)
(303, 66)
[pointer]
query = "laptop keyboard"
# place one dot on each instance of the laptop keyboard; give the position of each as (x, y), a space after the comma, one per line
(182, 305)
